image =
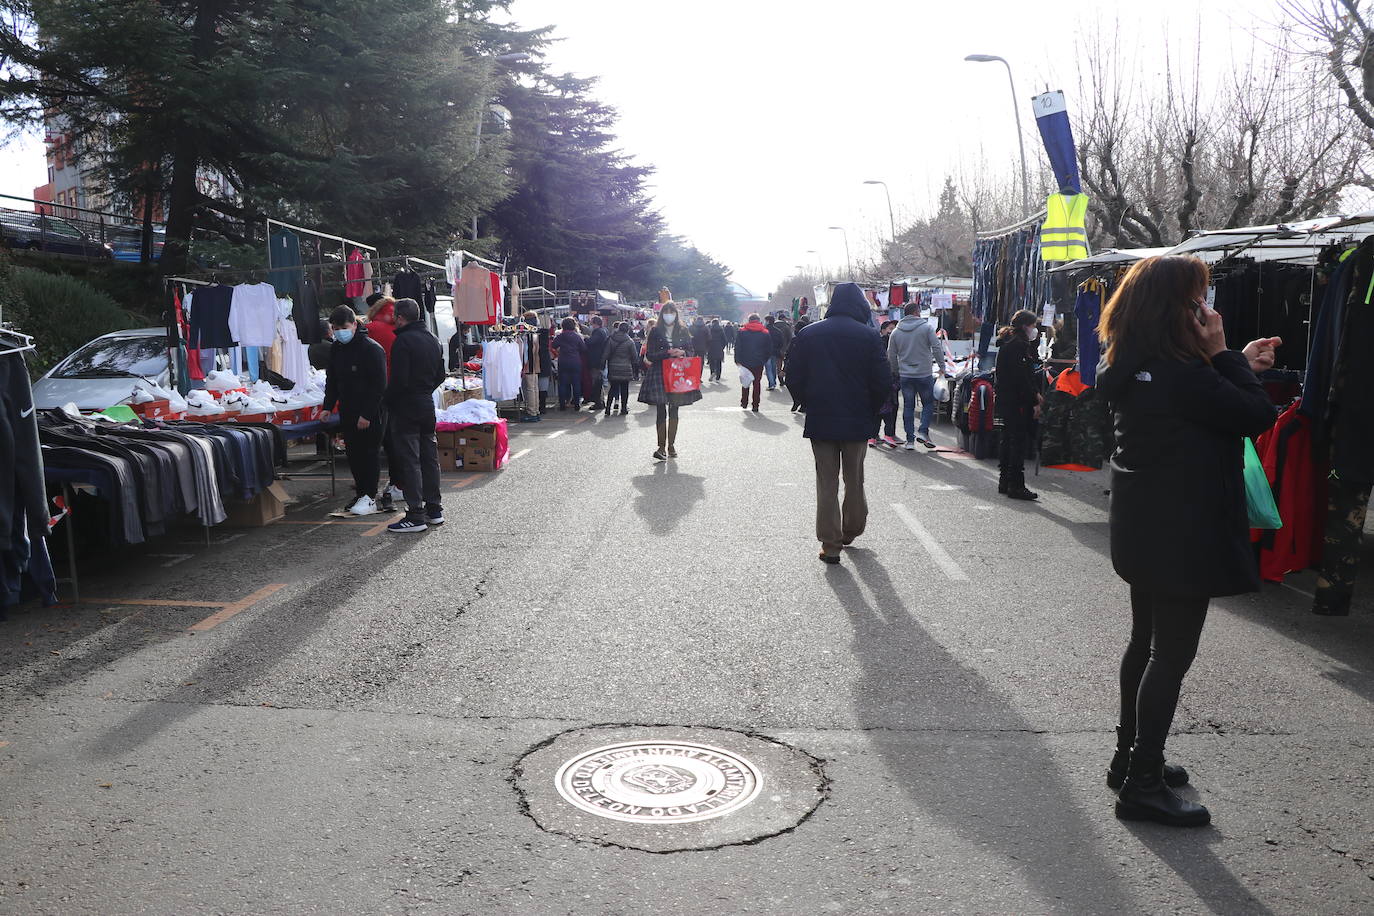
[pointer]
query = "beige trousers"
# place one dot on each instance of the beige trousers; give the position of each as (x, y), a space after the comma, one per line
(836, 523)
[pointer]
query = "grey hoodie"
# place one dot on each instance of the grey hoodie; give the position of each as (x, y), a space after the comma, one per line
(913, 350)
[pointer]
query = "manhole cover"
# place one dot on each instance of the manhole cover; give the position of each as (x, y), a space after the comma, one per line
(666, 782)
(667, 789)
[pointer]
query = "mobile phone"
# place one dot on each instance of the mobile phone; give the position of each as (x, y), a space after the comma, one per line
(1201, 314)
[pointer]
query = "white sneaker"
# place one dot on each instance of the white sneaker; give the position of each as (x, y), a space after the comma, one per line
(909, 446)
(364, 506)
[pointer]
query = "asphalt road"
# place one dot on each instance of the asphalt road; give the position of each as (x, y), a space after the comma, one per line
(321, 718)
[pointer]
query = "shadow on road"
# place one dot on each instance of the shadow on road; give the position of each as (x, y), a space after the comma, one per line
(1187, 852)
(1017, 806)
(666, 496)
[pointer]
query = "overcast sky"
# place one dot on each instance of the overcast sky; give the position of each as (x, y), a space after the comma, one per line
(764, 117)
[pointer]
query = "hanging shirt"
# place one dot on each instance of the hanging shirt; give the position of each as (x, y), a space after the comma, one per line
(354, 274)
(253, 314)
(1088, 309)
(472, 299)
(209, 307)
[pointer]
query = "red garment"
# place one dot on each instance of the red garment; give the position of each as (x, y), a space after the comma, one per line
(1071, 382)
(754, 326)
(1298, 476)
(193, 366)
(353, 273)
(494, 303)
(896, 295)
(382, 330)
(982, 406)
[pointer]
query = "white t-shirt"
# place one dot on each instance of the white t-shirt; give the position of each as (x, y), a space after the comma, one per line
(253, 314)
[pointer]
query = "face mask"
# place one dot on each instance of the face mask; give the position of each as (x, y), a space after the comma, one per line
(343, 335)
(669, 319)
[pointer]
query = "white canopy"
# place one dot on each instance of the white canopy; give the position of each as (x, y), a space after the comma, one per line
(1111, 256)
(1298, 242)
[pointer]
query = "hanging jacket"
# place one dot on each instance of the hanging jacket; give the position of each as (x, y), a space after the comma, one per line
(1076, 425)
(1297, 473)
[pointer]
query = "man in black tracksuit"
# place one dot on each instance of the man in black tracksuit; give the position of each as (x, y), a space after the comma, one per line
(417, 368)
(356, 380)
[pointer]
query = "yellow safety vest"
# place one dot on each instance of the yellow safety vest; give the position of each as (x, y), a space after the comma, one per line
(1064, 237)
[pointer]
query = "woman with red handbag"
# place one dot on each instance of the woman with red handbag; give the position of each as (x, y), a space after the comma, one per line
(667, 341)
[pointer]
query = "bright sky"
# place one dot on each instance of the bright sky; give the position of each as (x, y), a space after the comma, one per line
(764, 117)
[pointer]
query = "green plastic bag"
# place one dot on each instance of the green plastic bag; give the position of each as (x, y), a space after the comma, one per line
(1259, 496)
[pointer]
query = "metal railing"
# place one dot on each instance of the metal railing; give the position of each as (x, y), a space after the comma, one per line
(47, 225)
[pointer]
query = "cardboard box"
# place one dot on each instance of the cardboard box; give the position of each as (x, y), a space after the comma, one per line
(448, 397)
(476, 458)
(448, 459)
(252, 418)
(153, 410)
(207, 417)
(480, 435)
(448, 439)
(264, 509)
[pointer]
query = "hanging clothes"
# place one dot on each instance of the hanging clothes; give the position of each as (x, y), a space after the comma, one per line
(210, 307)
(502, 362)
(306, 313)
(284, 262)
(1077, 425)
(354, 274)
(1087, 309)
(472, 300)
(253, 314)
(407, 285)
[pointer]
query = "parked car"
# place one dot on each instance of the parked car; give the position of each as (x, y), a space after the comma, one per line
(102, 373)
(127, 242)
(49, 233)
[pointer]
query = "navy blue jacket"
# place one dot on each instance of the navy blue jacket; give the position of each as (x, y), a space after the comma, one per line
(837, 369)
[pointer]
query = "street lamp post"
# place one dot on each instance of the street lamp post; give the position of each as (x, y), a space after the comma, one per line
(1016, 110)
(849, 264)
(820, 263)
(892, 221)
(515, 58)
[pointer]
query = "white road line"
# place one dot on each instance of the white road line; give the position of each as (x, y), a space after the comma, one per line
(520, 454)
(937, 553)
(556, 435)
(1293, 588)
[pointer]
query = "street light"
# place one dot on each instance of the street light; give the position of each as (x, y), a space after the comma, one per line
(819, 261)
(849, 264)
(1016, 109)
(890, 218)
(514, 58)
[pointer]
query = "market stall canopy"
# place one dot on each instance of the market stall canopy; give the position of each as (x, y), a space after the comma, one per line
(1111, 256)
(1296, 242)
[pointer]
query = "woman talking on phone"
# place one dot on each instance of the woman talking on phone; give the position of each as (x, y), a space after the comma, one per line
(668, 340)
(1183, 404)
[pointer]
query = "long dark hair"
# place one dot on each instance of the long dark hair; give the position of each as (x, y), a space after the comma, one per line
(1022, 319)
(1151, 312)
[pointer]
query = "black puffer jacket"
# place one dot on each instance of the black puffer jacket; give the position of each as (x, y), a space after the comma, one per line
(837, 369)
(1178, 518)
(417, 368)
(355, 378)
(622, 358)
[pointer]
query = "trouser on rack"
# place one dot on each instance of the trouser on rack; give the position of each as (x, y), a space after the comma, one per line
(530, 392)
(1346, 506)
(417, 451)
(363, 447)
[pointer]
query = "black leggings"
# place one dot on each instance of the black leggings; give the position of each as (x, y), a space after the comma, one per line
(621, 390)
(1165, 630)
(667, 411)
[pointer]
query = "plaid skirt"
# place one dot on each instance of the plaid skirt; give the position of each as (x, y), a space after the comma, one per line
(653, 391)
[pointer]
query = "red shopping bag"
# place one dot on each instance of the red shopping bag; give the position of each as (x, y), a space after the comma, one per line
(682, 375)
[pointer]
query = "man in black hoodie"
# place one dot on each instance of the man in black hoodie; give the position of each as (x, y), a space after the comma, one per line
(354, 385)
(596, 358)
(837, 371)
(417, 368)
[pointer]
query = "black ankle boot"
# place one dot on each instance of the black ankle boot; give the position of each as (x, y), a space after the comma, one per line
(1174, 776)
(1145, 797)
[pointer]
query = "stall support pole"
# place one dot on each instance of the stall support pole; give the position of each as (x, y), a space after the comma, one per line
(68, 496)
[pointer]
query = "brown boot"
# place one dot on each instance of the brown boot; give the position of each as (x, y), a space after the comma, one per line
(672, 438)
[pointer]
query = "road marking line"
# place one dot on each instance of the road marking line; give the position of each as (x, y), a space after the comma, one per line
(937, 553)
(556, 435)
(238, 607)
(151, 602)
(463, 483)
(175, 558)
(520, 454)
(1294, 588)
(377, 529)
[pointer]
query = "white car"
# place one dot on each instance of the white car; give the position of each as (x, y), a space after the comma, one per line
(103, 372)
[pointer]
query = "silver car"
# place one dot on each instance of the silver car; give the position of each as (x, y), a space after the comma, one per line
(103, 372)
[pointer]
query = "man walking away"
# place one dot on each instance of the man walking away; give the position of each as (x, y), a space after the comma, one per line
(715, 350)
(417, 368)
(838, 372)
(784, 326)
(774, 352)
(913, 351)
(596, 359)
(354, 386)
(753, 348)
